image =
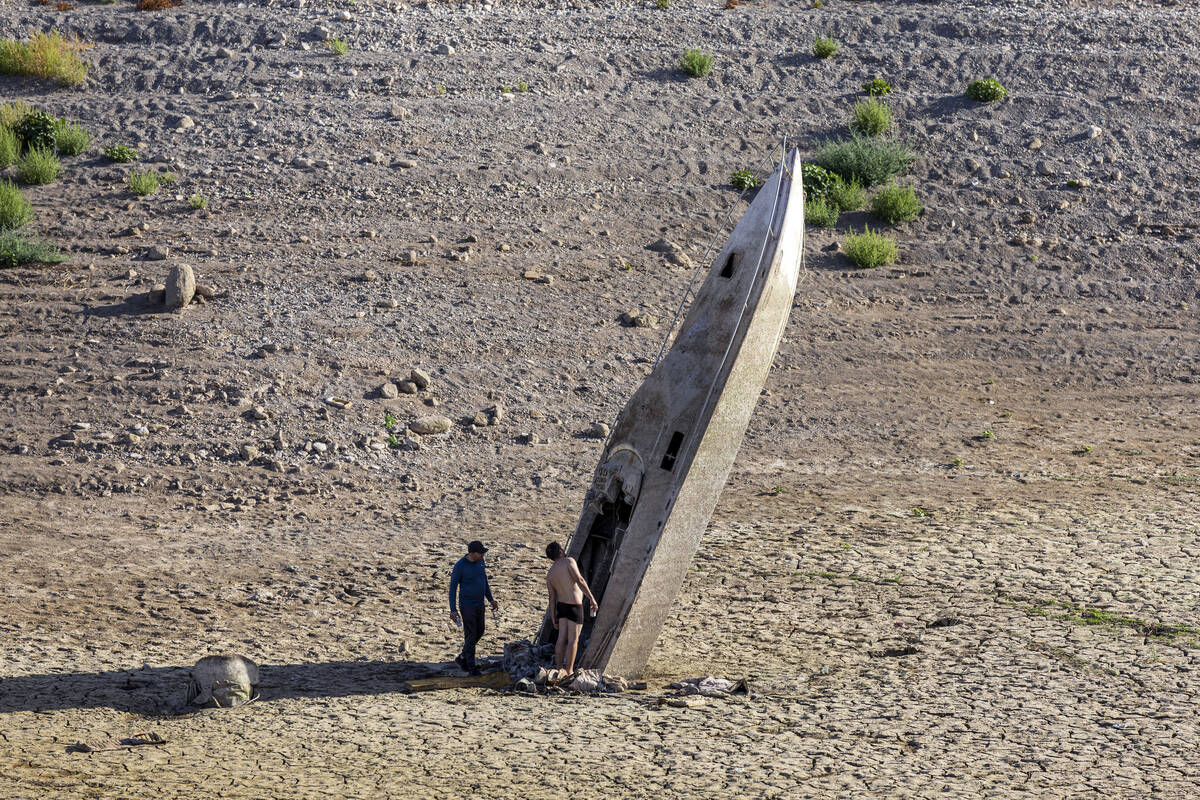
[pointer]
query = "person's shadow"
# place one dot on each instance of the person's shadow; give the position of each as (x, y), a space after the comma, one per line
(156, 691)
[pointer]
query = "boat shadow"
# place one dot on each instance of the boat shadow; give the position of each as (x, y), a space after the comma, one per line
(161, 691)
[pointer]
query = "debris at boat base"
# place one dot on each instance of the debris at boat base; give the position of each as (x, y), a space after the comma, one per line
(139, 739)
(711, 686)
(488, 680)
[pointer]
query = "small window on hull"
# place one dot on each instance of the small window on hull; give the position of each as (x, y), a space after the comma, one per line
(668, 462)
(730, 265)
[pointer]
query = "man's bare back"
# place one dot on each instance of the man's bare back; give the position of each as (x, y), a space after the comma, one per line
(561, 577)
(567, 589)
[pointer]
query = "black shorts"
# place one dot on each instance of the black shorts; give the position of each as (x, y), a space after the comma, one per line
(568, 611)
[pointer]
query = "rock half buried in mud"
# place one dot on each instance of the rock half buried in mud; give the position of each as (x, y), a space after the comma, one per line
(223, 682)
(638, 320)
(430, 426)
(180, 287)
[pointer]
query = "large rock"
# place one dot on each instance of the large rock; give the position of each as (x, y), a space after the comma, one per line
(180, 287)
(223, 682)
(430, 426)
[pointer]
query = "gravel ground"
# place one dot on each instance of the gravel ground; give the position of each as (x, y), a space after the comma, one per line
(923, 610)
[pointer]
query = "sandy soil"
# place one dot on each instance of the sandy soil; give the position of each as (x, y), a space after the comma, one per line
(923, 611)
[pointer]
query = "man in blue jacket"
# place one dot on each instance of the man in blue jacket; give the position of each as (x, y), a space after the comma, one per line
(468, 588)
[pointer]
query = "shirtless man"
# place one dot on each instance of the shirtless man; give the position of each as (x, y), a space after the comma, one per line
(567, 590)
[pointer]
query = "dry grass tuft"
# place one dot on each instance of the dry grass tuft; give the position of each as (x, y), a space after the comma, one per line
(45, 55)
(157, 5)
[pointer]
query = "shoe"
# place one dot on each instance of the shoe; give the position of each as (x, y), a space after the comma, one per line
(458, 659)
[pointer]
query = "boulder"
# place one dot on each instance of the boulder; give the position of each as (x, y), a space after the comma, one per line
(223, 682)
(180, 287)
(430, 426)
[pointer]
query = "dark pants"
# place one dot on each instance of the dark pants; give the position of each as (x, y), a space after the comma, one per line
(473, 627)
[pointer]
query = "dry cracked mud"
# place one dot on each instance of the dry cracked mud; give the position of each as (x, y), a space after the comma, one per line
(957, 556)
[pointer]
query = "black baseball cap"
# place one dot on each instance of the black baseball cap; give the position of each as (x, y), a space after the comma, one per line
(476, 547)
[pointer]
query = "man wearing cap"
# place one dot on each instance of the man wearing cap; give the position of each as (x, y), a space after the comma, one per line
(468, 589)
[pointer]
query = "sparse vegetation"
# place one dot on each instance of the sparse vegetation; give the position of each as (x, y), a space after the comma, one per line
(169, 177)
(16, 250)
(987, 90)
(120, 153)
(817, 180)
(1083, 450)
(956, 462)
(14, 112)
(895, 203)
(197, 201)
(15, 211)
(824, 47)
(338, 47)
(987, 434)
(522, 86)
(45, 55)
(872, 160)
(877, 87)
(38, 166)
(819, 212)
(37, 129)
(10, 147)
(157, 5)
(696, 63)
(872, 117)
(71, 139)
(744, 179)
(662, 5)
(143, 182)
(847, 195)
(870, 249)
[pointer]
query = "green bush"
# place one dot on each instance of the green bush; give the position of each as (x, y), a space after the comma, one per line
(120, 154)
(877, 87)
(696, 63)
(143, 182)
(16, 250)
(987, 90)
(197, 201)
(45, 55)
(15, 211)
(37, 129)
(39, 165)
(71, 139)
(817, 180)
(819, 212)
(869, 249)
(662, 5)
(824, 47)
(744, 179)
(847, 195)
(872, 160)
(10, 147)
(895, 203)
(339, 47)
(871, 118)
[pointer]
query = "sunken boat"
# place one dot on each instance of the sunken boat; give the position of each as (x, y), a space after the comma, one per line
(670, 451)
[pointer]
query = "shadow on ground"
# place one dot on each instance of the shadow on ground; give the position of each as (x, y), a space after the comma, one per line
(162, 690)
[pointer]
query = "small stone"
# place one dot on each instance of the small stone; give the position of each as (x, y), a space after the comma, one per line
(249, 451)
(495, 414)
(1043, 168)
(206, 290)
(319, 447)
(637, 320)
(259, 413)
(430, 426)
(370, 275)
(158, 253)
(421, 379)
(390, 303)
(407, 387)
(599, 430)
(836, 247)
(180, 286)
(399, 112)
(224, 52)
(182, 122)
(389, 391)
(444, 49)
(1029, 218)
(1058, 311)
(1093, 131)
(1034, 144)
(376, 157)
(480, 420)
(406, 163)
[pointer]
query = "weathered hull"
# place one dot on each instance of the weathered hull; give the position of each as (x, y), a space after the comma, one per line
(671, 449)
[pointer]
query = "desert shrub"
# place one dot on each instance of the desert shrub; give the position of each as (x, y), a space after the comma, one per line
(877, 87)
(824, 47)
(872, 160)
(338, 47)
(895, 203)
(819, 212)
(10, 147)
(45, 55)
(744, 179)
(986, 91)
(14, 112)
(39, 165)
(120, 154)
(16, 250)
(696, 63)
(156, 5)
(197, 201)
(15, 211)
(71, 139)
(847, 195)
(817, 180)
(662, 5)
(37, 129)
(143, 182)
(870, 249)
(871, 118)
